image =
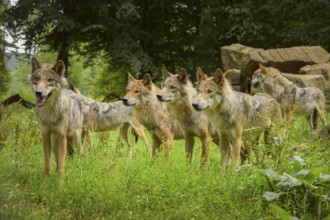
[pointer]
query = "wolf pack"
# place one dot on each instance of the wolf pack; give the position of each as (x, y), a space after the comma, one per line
(211, 111)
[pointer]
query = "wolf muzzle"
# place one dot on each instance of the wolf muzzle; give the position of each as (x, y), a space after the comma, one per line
(254, 83)
(127, 102)
(159, 97)
(196, 107)
(41, 100)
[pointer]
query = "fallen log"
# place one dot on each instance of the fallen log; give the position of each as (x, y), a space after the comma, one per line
(16, 98)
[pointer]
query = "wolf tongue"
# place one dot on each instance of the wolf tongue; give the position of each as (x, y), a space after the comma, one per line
(41, 101)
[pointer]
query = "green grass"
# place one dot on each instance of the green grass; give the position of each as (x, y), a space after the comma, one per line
(107, 185)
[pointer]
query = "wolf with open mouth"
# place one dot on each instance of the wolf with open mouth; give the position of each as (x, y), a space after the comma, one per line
(59, 112)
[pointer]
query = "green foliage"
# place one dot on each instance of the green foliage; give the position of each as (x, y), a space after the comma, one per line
(96, 77)
(142, 36)
(297, 189)
(105, 184)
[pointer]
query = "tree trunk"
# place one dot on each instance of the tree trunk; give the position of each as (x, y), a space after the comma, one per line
(63, 53)
(65, 38)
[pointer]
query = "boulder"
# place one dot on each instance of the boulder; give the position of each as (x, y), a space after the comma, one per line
(317, 69)
(247, 59)
(286, 59)
(234, 78)
(235, 56)
(307, 80)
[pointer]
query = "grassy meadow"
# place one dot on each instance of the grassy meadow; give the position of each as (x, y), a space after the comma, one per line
(105, 184)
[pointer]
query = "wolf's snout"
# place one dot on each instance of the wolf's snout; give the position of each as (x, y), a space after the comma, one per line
(159, 97)
(195, 105)
(41, 98)
(125, 101)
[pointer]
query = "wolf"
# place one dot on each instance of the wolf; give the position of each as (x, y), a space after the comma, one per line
(237, 116)
(59, 112)
(152, 114)
(100, 116)
(308, 102)
(177, 92)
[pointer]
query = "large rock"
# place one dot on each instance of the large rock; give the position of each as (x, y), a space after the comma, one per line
(235, 56)
(286, 59)
(306, 80)
(317, 69)
(234, 77)
(247, 59)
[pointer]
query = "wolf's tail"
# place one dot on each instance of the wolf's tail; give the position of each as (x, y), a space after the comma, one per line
(314, 115)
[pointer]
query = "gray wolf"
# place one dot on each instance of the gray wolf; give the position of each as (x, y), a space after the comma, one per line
(100, 116)
(308, 102)
(152, 114)
(177, 92)
(233, 113)
(59, 112)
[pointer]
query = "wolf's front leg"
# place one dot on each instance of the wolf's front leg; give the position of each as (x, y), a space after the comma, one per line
(237, 142)
(189, 144)
(224, 148)
(168, 142)
(47, 150)
(60, 146)
(138, 129)
(289, 119)
(76, 141)
(156, 141)
(206, 142)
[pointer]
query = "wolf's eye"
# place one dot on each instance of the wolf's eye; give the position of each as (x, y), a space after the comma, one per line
(36, 79)
(50, 80)
(137, 91)
(209, 91)
(173, 87)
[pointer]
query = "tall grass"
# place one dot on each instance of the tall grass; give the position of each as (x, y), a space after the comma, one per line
(105, 184)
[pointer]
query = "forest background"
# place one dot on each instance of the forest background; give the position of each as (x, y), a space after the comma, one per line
(101, 40)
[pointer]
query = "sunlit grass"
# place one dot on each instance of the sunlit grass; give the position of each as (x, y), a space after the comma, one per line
(105, 184)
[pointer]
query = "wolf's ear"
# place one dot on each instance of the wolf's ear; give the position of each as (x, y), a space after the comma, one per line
(59, 68)
(200, 75)
(35, 64)
(218, 77)
(263, 69)
(147, 81)
(130, 77)
(183, 76)
(165, 73)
